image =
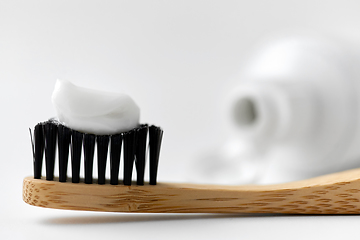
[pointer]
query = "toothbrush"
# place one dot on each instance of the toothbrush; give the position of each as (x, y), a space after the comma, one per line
(88, 128)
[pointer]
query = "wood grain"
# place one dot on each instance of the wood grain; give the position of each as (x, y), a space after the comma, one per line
(337, 193)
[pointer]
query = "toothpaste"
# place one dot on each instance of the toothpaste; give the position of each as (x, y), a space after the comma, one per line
(93, 111)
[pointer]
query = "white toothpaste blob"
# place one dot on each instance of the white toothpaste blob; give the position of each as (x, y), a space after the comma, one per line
(93, 111)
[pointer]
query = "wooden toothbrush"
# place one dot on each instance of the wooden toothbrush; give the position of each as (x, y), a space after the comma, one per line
(76, 145)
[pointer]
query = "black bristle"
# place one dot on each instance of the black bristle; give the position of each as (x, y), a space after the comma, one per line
(47, 134)
(38, 149)
(89, 148)
(115, 152)
(102, 150)
(64, 138)
(76, 147)
(50, 132)
(140, 153)
(155, 137)
(129, 156)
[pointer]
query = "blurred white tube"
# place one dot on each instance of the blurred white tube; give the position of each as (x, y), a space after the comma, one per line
(295, 113)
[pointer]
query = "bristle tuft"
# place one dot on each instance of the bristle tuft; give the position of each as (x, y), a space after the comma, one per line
(50, 133)
(102, 150)
(155, 138)
(115, 152)
(64, 138)
(129, 155)
(38, 149)
(89, 149)
(76, 148)
(140, 153)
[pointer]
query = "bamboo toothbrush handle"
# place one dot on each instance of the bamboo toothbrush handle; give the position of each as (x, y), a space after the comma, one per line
(337, 193)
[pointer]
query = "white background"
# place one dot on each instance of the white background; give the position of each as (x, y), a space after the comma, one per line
(178, 60)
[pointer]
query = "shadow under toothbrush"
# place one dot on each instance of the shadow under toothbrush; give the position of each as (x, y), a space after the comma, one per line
(129, 218)
(138, 218)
